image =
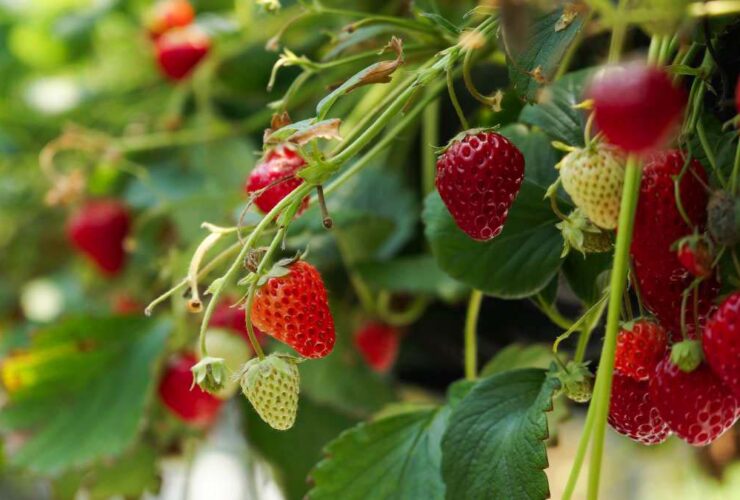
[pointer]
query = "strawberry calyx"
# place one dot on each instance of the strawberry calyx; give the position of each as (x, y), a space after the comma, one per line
(462, 135)
(582, 235)
(695, 252)
(687, 355)
(210, 374)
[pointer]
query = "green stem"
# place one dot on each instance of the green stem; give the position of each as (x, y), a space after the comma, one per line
(701, 133)
(605, 372)
(471, 344)
(429, 140)
(386, 141)
(353, 148)
(618, 32)
(453, 98)
(575, 470)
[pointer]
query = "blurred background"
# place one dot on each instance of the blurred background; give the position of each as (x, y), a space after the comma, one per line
(88, 111)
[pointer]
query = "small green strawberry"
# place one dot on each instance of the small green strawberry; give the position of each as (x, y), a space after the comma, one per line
(577, 382)
(593, 177)
(581, 234)
(271, 385)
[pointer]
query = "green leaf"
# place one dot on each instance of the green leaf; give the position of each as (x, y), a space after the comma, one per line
(98, 418)
(493, 446)
(390, 458)
(414, 274)
(547, 43)
(587, 276)
(293, 453)
(555, 114)
(515, 356)
(518, 263)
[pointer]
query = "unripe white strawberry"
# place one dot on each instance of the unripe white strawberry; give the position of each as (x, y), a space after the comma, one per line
(272, 386)
(593, 177)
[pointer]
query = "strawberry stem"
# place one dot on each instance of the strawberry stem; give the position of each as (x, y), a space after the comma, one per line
(600, 405)
(471, 344)
(429, 140)
(453, 97)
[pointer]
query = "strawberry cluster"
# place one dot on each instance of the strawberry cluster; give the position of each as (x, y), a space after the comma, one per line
(179, 44)
(678, 374)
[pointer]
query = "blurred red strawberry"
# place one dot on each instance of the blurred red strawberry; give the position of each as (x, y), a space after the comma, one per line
(378, 345)
(180, 50)
(168, 14)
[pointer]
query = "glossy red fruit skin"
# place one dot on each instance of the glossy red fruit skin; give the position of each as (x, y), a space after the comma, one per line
(98, 230)
(696, 261)
(478, 179)
(661, 276)
(234, 319)
(632, 412)
(640, 349)
(378, 344)
(721, 343)
(636, 106)
(697, 407)
(180, 50)
(194, 406)
(169, 14)
(280, 163)
(294, 309)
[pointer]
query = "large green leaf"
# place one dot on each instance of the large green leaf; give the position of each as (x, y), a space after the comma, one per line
(494, 444)
(548, 41)
(555, 113)
(391, 458)
(518, 263)
(293, 453)
(82, 390)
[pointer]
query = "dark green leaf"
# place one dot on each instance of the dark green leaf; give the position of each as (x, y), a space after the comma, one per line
(91, 420)
(442, 23)
(547, 43)
(587, 276)
(391, 458)
(554, 113)
(493, 446)
(516, 356)
(518, 263)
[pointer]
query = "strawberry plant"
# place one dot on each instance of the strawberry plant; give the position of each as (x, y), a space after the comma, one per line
(382, 249)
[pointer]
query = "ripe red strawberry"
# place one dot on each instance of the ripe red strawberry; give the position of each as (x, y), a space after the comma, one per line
(478, 179)
(632, 412)
(695, 256)
(168, 14)
(640, 347)
(659, 224)
(636, 106)
(695, 405)
(280, 163)
(180, 50)
(721, 342)
(378, 345)
(194, 406)
(98, 230)
(294, 309)
(234, 319)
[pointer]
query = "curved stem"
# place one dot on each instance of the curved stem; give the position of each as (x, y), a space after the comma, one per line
(453, 98)
(618, 281)
(429, 139)
(471, 344)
